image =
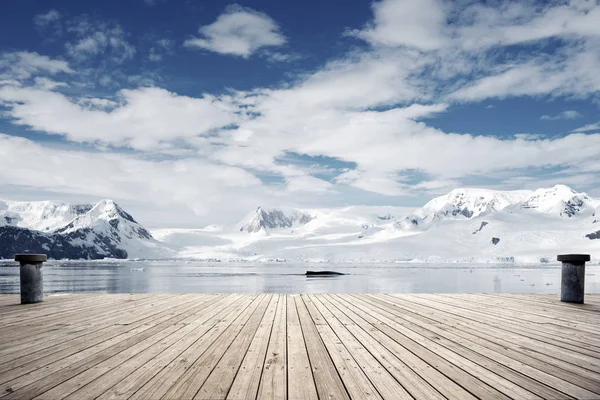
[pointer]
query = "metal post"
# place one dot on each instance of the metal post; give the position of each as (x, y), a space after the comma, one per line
(572, 286)
(32, 282)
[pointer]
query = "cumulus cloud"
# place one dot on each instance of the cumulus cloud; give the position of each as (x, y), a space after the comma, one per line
(23, 64)
(367, 111)
(435, 24)
(146, 118)
(569, 114)
(239, 31)
(412, 23)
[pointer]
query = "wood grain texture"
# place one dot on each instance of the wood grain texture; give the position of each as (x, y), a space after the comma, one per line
(310, 346)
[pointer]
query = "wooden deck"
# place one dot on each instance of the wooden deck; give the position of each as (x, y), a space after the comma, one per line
(326, 346)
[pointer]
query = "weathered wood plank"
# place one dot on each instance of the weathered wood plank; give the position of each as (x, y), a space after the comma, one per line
(132, 382)
(327, 379)
(301, 383)
(247, 380)
(258, 346)
(174, 372)
(273, 382)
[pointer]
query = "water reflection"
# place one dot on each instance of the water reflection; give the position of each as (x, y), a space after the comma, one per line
(197, 277)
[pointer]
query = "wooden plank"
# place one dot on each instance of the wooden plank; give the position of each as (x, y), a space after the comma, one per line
(332, 346)
(588, 306)
(26, 363)
(545, 311)
(66, 332)
(356, 382)
(327, 380)
(576, 354)
(219, 381)
(48, 310)
(536, 370)
(131, 382)
(93, 383)
(229, 345)
(389, 372)
(80, 361)
(179, 372)
(247, 380)
(477, 333)
(557, 321)
(273, 382)
(301, 383)
(27, 331)
(421, 372)
(504, 379)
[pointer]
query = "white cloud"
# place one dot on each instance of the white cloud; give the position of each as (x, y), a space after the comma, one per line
(48, 84)
(569, 114)
(146, 118)
(435, 24)
(51, 19)
(239, 31)
(589, 127)
(23, 64)
(569, 72)
(367, 111)
(98, 39)
(529, 136)
(412, 23)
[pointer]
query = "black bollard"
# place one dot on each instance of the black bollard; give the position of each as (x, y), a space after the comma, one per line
(572, 286)
(32, 282)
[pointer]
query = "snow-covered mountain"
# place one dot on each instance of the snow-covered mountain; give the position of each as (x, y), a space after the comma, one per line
(78, 231)
(44, 216)
(464, 225)
(461, 204)
(267, 219)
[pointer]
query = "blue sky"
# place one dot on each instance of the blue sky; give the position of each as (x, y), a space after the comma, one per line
(211, 108)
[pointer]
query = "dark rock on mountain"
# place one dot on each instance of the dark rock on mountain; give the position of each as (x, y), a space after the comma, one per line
(483, 223)
(15, 240)
(593, 235)
(495, 240)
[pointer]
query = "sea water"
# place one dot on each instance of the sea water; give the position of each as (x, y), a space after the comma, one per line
(221, 277)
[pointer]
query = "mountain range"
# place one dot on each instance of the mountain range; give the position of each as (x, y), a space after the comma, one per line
(74, 231)
(466, 225)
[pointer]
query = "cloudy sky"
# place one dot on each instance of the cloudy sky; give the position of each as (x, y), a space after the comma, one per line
(193, 112)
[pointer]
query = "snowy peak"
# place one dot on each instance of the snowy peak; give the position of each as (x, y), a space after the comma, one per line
(45, 216)
(108, 218)
(560, 199)
(466, 203)
(75, 231)
(268, 219)
(472, 202)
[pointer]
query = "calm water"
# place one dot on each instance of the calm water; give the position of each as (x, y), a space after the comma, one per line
(202, 277)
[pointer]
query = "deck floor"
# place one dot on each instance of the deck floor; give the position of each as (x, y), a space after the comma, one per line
(324, 346)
